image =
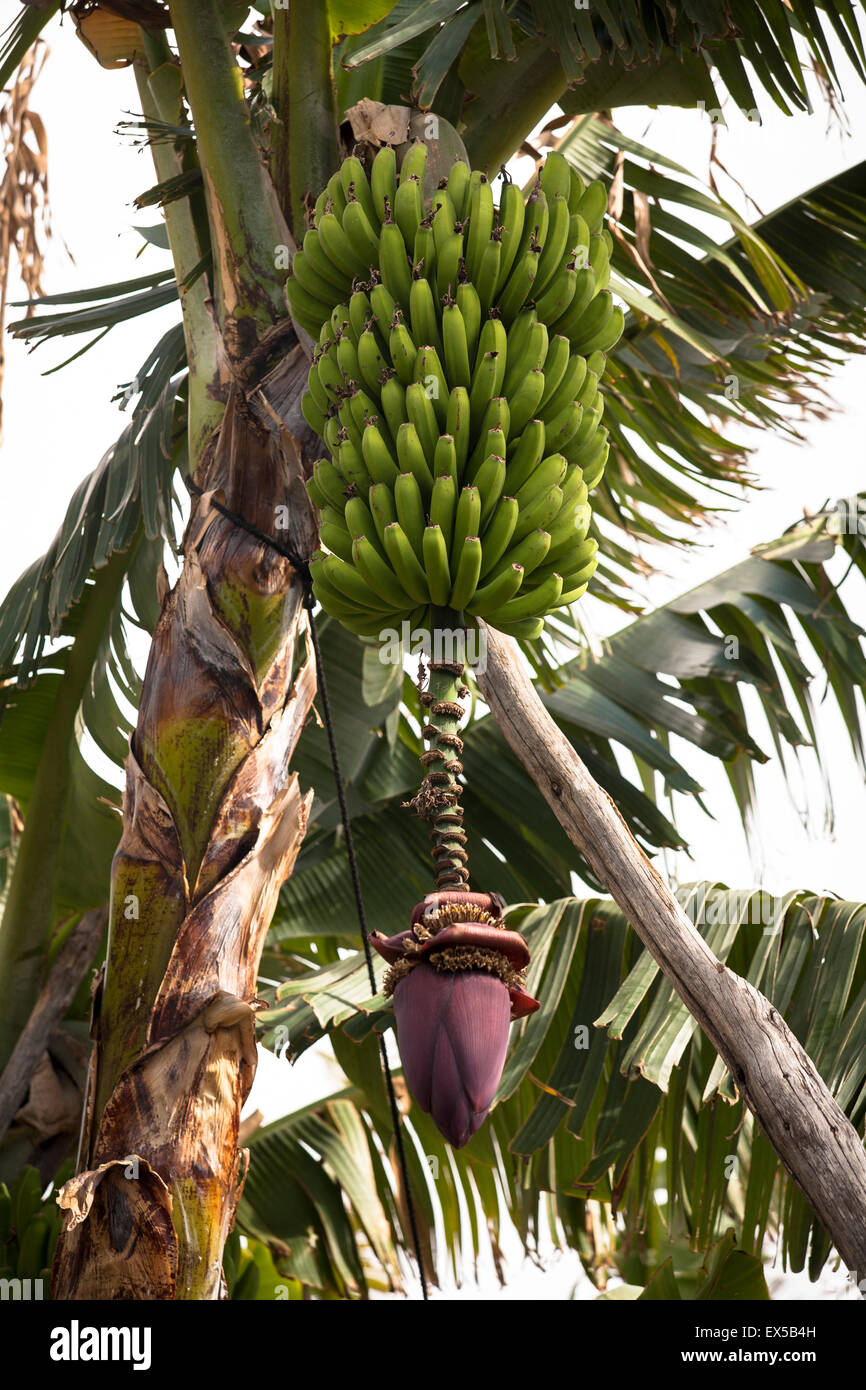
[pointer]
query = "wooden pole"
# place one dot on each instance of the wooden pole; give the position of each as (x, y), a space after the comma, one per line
(778, 1081)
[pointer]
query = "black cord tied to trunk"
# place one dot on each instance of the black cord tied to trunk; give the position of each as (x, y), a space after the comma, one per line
(302, 569)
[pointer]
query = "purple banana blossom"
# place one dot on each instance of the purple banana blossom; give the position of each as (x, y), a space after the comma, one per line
(453, 1023)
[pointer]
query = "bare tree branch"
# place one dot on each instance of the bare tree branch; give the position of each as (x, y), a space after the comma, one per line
(778, 1081)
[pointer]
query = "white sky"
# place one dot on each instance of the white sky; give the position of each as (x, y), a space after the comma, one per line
(57, 427)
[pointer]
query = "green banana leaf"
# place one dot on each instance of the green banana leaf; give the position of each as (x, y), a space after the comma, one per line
(609, 1094)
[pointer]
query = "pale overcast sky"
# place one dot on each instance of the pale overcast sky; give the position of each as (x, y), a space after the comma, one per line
(58, 426)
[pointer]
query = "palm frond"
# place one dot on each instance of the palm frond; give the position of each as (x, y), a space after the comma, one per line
(640, 51)
(609, 1092)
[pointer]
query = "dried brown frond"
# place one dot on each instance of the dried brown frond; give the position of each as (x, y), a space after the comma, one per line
(24, 222)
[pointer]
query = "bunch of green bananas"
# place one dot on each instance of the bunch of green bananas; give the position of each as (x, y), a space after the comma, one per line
(456, 384)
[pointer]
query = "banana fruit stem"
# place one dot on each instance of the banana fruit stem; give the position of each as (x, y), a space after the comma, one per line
(438, 799)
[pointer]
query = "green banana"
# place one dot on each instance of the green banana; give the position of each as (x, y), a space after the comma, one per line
(429, 373)
(511, 299)
(414, 165)
(593, 471)
(448, 264)
(351, 466)
(347, 358)
(548, 473)
(524, 403)
(435, 555)
(329, 484)
(378, 574)
(489, 597)
(371, 363)
(444, 217)
(456, 346)
(489, 480)
(534, 603)
(511, 217)
(467, 573)
(360, 311)
(337, 539)
(593, 205)
(318, 285)
(393, 399)
(458, 187)
(394, 263)
(594, 318)
(529, 553)
(555, 364)
(467, 518)
(403, 350)
(404, 564)
(527, 455)
(445, 458)
(310, 313)
(359, 522)
(312, 413)
(469, 304)
(480, 226)
(422, 315)
(458, 425)
(383, 179)
(408, 209)
(526, 631)
(527, 353)
(558, 297)
(564, 426)
(409, 502)
(484, 385)
(607, 335)
(383, 305)
(555, 243)
(422, 415)
(443, 506)
(539, 513)
(381, 500)
(488, 271)
(338, 248)
(570, 388)
(362, 238)
(424, 250)
(491, 437)
(578, 188)
(585, 289)
(380, 462)
(500, 529)
(349, 582)
(556, 176)
(411, 458)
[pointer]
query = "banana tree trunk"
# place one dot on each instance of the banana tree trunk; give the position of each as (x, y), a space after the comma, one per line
(213, 821)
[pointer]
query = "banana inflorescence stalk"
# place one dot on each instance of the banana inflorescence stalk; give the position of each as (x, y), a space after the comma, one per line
(438, 799)
(456, 382)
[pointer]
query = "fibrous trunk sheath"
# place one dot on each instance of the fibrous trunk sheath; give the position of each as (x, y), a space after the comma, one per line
(213, 820)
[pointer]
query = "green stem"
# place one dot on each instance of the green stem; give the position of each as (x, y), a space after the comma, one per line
(30, 908)
(439, 798)
(249, 235)
(160, 85)
(507, 110)
(304, 143)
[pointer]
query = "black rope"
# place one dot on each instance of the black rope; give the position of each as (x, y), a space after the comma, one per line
(302, 568)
